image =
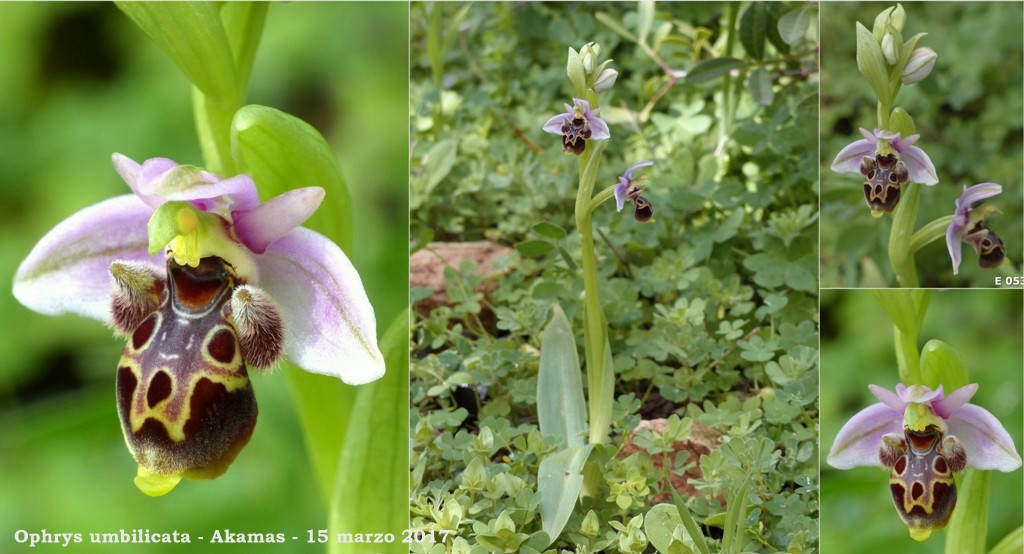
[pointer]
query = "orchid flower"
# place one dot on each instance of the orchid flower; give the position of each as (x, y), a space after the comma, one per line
(577, 125)
(630, 189)
(887, 161)
(239, 282)
(924, 437)
(969, 226)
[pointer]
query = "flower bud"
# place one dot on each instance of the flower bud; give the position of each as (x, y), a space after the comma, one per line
(606, 80)
(919, 66)
(590, 527)
(574, 69)
(889, 49)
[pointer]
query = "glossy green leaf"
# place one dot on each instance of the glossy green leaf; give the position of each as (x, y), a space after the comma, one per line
(371, 489)
(561, 410)
(941, 364)
(871, 64)
(439, 161)
(754, 29)
(710, 69)
(192, 35)
(968, 527)
(601, 396)
(281, 152)
(559, 480)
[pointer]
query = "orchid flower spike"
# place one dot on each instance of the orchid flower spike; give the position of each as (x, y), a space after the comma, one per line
(202, 279)
(924, 437)
(630, 189)
(577, 125)
(969, 226)
(887, 162)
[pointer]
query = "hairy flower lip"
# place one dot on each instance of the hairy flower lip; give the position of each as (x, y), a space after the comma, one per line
(988, 444)
(959, 226)
(330, 324)
(918, 163)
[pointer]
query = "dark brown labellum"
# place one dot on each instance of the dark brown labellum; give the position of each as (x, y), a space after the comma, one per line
(883, 178)
(644, 212)
(921, 482)
(575, 133)
(990, 248)
(184, 397)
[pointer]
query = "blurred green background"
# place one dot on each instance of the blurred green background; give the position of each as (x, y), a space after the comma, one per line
(857, 513)
(969, 115)
(81, 82)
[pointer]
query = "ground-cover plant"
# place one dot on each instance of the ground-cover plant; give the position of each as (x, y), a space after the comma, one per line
(944, 443)
(709, 308)
(227, 253)
(920, 109)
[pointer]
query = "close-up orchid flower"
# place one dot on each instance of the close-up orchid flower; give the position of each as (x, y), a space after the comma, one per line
(577, 125)
(202, 279)
(968, 225)
(887, 162)
(924, 437)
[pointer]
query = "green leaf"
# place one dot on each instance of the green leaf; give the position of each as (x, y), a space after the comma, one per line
(281, 152)
(691, 526)
(243, 23)
(901, 122)
(644, 18)
(561, 410)
(660, 524)
(871, 64)
(754, 29)
(325, 406)
(534, 248)
(760, 86)
(899, 304)
(191, 34)
(601, 396)
(729, 227)
(968, 526)
(1011, 544)
(372, 485)
(559, 480)
(793, 26)
(941, 364)
(735, 516)
(439, 162)
(549, 230)
(710, 69)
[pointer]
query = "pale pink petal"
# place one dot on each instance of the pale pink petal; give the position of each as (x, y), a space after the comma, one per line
(988, 444)
(554, 125)
(260, 226)
(944, 407)
(330, 326)
(849, 158)
(888, 397)
(918, 393)
(858, 442)
(920, 166)
(599, 129)
(976, 193)
(67, 270)
(954, 242)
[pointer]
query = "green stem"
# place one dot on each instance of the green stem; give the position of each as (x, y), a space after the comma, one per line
(601, 197)
(931, 232)
(213, 126)
(594, 330)
(729, 107)
(900, 254)
(908, 357)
